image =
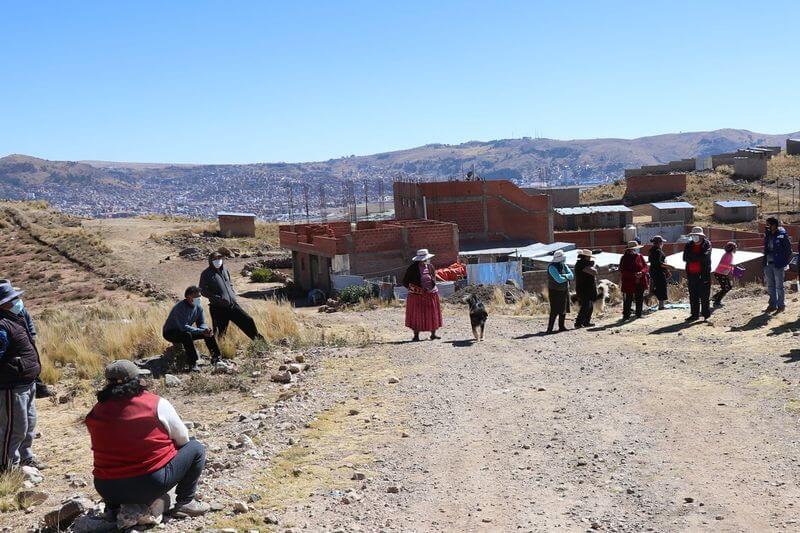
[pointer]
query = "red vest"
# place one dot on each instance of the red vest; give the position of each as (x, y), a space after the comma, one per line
(128, 439)
(694, 267)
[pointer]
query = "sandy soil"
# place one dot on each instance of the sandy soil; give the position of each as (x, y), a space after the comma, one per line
(650, 425)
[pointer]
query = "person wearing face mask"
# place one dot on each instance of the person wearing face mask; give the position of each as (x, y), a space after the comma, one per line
(19, 368)
(423, 311)
(42, 390)
(216, 285)
(697, 255)
(186, 323)
(633, 279)
(777, 256)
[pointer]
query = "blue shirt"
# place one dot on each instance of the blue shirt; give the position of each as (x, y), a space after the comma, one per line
(186, 317)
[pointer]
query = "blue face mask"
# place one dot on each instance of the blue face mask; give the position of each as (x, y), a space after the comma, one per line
(17, 307)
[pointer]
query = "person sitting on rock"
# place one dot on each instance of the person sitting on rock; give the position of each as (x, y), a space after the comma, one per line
(186, 323)
(141, 447)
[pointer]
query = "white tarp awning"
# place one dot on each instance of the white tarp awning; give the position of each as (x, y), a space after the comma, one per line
(676, 260)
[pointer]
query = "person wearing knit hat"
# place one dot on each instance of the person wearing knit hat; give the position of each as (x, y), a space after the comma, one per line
(633, 277)
(558, 278)
(697, 255)
(658, 270)
(724, 273)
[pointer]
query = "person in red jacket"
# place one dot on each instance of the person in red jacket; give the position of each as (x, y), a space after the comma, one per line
(633, 273)
(141, 447)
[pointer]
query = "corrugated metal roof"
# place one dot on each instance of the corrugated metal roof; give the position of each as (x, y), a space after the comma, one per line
(672, 205)
(590, 209)
(601, 259)
(734, 203)
(741, 256)
(235, 214)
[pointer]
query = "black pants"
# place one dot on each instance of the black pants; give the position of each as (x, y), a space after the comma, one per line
(627, 302)
(222, 316)
(585, 312)
(187, 340)
(725, 287)
(659, 284)
(559, 306)
(700, 295)
(182, 472)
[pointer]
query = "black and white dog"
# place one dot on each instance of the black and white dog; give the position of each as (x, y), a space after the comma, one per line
(477, 316)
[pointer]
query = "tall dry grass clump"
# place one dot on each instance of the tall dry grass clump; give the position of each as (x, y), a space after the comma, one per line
(88, 337)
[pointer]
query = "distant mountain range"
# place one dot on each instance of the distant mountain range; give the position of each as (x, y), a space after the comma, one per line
(524, 160)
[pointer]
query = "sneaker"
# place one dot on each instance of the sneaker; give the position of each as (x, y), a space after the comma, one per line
(434, 336)
(770, 309)
(692, 318)
(35, 463)
(43, 391)
(780, 310)
(589, 325)
(192, 508)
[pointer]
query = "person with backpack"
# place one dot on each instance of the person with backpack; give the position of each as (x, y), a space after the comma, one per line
(777, 256)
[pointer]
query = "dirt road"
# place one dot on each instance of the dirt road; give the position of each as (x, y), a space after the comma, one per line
(651, 425)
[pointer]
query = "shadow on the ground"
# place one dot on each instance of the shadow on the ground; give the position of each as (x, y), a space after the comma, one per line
(758, 321)
(610, 325)
(530, 335)
(674, 328)
(464, 343)
(784, 328)
(792, 357)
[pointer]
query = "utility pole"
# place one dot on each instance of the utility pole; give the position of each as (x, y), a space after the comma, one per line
(305, 201)
(366, 198)
(323, 206)
(290, 198)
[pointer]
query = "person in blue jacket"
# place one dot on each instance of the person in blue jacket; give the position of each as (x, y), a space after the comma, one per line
(777, 256)
(558, 277)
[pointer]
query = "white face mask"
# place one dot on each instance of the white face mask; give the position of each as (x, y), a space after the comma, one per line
(695, 238)
(217, 263)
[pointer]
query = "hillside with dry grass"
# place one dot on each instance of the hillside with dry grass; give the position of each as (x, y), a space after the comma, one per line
(704, 188)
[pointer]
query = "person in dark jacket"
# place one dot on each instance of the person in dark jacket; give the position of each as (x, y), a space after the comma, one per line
(697, 255)
(423, 310)
(216, 285)
(633, 279)
(777, 256)
(42, 390)
(658, 270)
(186, 323)
(585, 288)
(558, 277)
(19, 368)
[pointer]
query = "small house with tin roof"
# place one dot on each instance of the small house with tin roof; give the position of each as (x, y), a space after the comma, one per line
(735, 211)
(672, 212)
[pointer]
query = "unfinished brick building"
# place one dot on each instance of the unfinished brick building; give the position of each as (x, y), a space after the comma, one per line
(369, 249)
(653, 188)
(484, 211)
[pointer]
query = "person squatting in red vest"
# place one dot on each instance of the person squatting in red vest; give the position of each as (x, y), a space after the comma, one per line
(141, 446)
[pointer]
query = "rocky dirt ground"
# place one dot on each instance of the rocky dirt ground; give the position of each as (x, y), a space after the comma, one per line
(652, 425)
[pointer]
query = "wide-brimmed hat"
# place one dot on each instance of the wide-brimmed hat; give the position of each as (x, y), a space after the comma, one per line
(423, 255)
(633, 245)
(8, 293)
(657, 238)
(585, 253)
(697, 230)
(558, 257)
(122, 370)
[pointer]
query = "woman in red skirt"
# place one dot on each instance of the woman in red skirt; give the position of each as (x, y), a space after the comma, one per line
(423, 312)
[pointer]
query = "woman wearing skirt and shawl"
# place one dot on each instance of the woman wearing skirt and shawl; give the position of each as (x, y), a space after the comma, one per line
(423, 312)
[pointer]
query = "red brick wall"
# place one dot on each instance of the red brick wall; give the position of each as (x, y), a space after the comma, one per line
(596, 239)
(651, 188)
(491, 210)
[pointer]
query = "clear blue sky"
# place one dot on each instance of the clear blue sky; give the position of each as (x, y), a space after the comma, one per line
(302, 81)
